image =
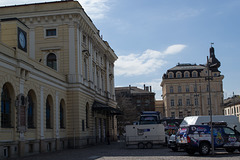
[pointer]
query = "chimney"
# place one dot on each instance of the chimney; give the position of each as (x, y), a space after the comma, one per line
(147, 88)
(150, 88)
(144, 87)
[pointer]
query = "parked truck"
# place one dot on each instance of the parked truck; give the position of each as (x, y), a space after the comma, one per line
(148, 132)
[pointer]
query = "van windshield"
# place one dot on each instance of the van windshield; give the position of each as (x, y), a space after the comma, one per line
(148, 120)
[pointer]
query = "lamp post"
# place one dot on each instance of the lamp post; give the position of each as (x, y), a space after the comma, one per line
(234, 109)
(209, 92)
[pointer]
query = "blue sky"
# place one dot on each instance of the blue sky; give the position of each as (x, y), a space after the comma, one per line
(152, 36)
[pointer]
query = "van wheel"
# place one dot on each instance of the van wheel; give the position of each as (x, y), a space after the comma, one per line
(230, 150)
(204, 148)
(175, 149)
(149, 145)
(190, 151)
(141, 145)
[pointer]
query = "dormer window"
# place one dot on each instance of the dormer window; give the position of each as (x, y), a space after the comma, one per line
(170, 75)
(194, 74)
(179, 75)
(186, 74)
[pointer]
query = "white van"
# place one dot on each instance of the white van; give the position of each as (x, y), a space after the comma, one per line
(231, 120)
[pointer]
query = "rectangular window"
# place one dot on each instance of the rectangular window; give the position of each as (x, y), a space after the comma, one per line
(208, 101)
(171, 89)
(207, 88)
(173, 114)
(51, 32)
(83, 127)
(187, 88)
(196, 101)
(196, 113)
(172, 102)
(188, 102)
(179, 89)
(180, 114)
(195, 88)
(179, 102)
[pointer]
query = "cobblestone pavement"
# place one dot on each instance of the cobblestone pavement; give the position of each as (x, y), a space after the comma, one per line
(118, 151)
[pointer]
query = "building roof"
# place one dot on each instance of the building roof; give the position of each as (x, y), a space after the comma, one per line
(232, 101)
(187, 66)
(134, 90)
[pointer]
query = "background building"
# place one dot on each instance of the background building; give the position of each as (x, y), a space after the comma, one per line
(159, 106)
(232, 106)
(186, 90)
(56, 79)
(131, 101)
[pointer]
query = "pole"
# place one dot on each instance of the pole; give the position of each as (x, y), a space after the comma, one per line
(234, 109)
(209, 92)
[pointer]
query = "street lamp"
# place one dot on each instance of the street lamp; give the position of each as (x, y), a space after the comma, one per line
(209, 92)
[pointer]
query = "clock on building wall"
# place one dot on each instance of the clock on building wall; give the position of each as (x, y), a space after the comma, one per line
(22, 40)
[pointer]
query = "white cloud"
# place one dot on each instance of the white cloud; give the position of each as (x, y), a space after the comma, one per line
(174, 49)
(155, 85)
(147, 62)
(96, 9)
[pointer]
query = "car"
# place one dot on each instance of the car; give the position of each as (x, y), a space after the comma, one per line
(197, 138)
(172, 143)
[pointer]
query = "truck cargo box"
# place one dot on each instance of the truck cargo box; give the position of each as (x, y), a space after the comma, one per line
(145, 136)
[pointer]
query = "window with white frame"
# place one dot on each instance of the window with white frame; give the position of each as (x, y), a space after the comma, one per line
(196, 101)
(194, 74)
(170, 75)
(186, 74)
(50, 32)
(179, 75)
(180, 102)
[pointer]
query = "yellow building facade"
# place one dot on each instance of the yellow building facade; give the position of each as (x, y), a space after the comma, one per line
(56, 79)
(187, 92)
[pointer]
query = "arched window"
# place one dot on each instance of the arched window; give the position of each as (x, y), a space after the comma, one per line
(62, 117)
(179, 75)
(48, 114)
(30, 112)
(5, 108)
(194, 74)
(186, 74)
(170, 75)
(52, 61)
